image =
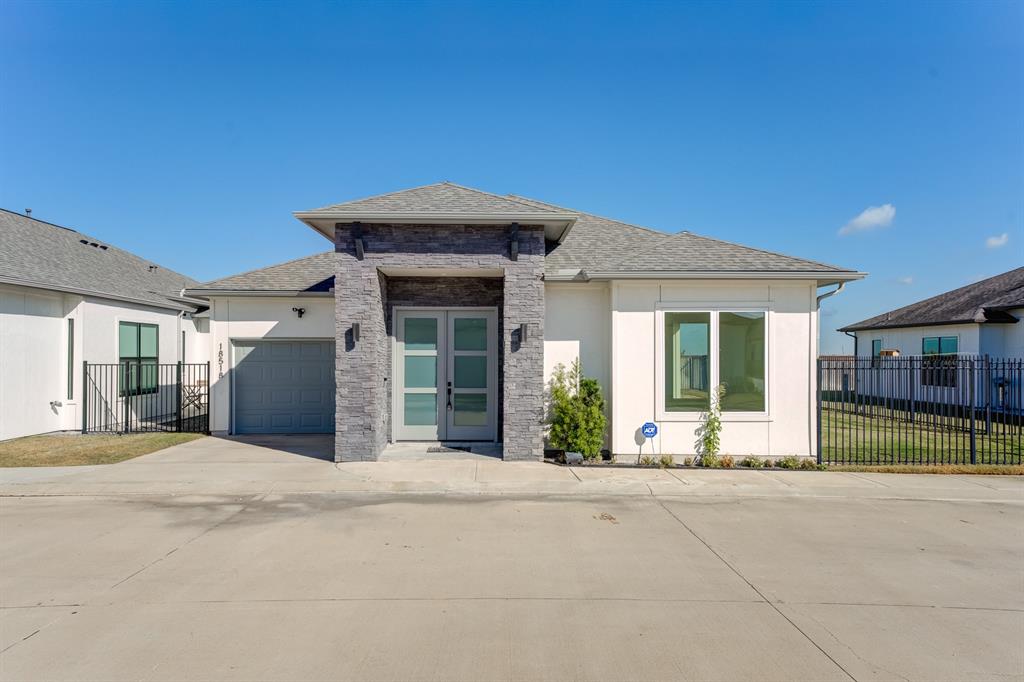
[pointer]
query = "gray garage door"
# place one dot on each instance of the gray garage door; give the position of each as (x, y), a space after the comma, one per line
(284, 386)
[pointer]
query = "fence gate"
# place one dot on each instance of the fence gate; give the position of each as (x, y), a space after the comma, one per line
(129, 397)
(940, 409)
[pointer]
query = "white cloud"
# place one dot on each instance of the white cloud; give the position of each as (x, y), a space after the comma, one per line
(871, 218)
(997, 241)
(908, 280)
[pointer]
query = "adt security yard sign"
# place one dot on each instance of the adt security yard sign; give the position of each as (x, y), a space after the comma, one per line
(649, 430)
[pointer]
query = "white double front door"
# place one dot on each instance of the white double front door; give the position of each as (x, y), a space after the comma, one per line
(446, 374)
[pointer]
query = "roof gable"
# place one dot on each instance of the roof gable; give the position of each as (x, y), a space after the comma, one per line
(40, 254)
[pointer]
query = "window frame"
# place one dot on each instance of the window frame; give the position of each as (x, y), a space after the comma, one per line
(876, 356)
(714, 373)
(933, 374)
(123, 360)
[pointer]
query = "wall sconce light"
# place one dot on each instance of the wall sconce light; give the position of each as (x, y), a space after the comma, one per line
(355, 331)
(299, 311)
(523, 334)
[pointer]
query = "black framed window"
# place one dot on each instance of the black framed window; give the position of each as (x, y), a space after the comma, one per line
(138, 355)
(938, 361)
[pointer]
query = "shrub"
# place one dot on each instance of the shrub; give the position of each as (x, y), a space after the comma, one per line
(790, 462)
(709, 461)
(667, 461)
(752, 462)
(768, 464)
(726, 462)
(709, 433)
(811, 465)
(647, 461)
(577, 414)
(688, 461)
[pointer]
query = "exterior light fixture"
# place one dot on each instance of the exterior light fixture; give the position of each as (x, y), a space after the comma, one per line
(523, 334)
(355, 331)
(299, 311)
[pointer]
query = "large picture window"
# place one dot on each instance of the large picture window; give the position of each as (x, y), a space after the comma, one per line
(704, 349)
(138, 354)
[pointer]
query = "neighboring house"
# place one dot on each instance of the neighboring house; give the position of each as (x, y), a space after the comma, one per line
(66, 298)
(978, 319)
(441, 311)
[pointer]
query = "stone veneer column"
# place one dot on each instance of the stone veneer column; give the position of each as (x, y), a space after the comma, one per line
(523, 416)
(360, 418)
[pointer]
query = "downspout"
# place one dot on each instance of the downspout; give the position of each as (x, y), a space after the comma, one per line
(854, 337)
(813, 416)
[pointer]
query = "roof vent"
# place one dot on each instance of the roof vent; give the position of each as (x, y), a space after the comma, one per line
(152, 268)
(94, 245)
(28, 212)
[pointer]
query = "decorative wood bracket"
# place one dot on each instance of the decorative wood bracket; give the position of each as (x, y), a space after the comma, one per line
(357, 239)
(513, 236)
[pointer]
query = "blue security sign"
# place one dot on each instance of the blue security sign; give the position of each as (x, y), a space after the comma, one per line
(650, 430)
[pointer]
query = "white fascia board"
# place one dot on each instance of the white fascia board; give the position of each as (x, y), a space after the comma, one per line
(97, 294)
(560, 223)
(280, 293)
(823, 278)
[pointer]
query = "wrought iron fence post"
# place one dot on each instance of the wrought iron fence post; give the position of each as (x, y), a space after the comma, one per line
(818, 445)
(85, 397)
(987, 378)
(177, 398)
(974, 444)
(207, 398)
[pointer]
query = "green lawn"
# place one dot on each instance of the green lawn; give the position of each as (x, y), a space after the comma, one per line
(75, 449)
(859, 439)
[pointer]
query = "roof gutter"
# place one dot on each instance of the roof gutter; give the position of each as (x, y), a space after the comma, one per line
(45, 286)
(206, 293)
(825, 277)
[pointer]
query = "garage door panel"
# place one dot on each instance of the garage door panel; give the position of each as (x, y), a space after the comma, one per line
(284, 387)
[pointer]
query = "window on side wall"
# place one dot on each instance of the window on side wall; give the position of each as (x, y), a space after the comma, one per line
(876, 352)
(138, 356)
(939, 360)
(704, 349)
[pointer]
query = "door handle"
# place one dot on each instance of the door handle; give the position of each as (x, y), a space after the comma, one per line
(449, 396)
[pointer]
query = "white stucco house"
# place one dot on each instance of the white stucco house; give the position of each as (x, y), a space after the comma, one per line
(983, 318)
(65, 298)
(439, 313)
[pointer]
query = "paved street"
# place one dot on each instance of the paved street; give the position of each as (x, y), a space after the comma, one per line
(226, 560)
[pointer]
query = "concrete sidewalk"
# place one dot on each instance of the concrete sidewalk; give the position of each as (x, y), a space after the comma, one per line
(254, 466)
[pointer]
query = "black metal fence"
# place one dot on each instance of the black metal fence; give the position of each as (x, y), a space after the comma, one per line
(920, 410)
(138, 396)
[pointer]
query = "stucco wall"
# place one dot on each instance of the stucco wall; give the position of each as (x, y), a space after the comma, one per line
(1004, 340)
(907, 340)
(241, 317)
(577, 325)
(786, 429)
(33, 352)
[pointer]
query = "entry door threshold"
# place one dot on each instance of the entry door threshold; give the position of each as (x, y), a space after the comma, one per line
(445, 450)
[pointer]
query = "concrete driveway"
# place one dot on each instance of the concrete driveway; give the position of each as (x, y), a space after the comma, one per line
(240, 561)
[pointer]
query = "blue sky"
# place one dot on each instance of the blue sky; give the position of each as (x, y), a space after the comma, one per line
(189, 132)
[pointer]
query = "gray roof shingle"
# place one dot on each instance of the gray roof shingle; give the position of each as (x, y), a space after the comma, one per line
(984, 301)
(594, 244)
(440, 198)
(598, 244)
(36, 253)
(312, 273)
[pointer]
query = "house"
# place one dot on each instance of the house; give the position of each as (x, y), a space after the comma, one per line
(440, 312)
(65, 298)
(978, 319)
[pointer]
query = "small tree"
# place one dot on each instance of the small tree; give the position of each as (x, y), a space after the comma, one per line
(577, 416)
(709, 433)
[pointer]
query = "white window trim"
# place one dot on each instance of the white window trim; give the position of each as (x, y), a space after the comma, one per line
(659, 360)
